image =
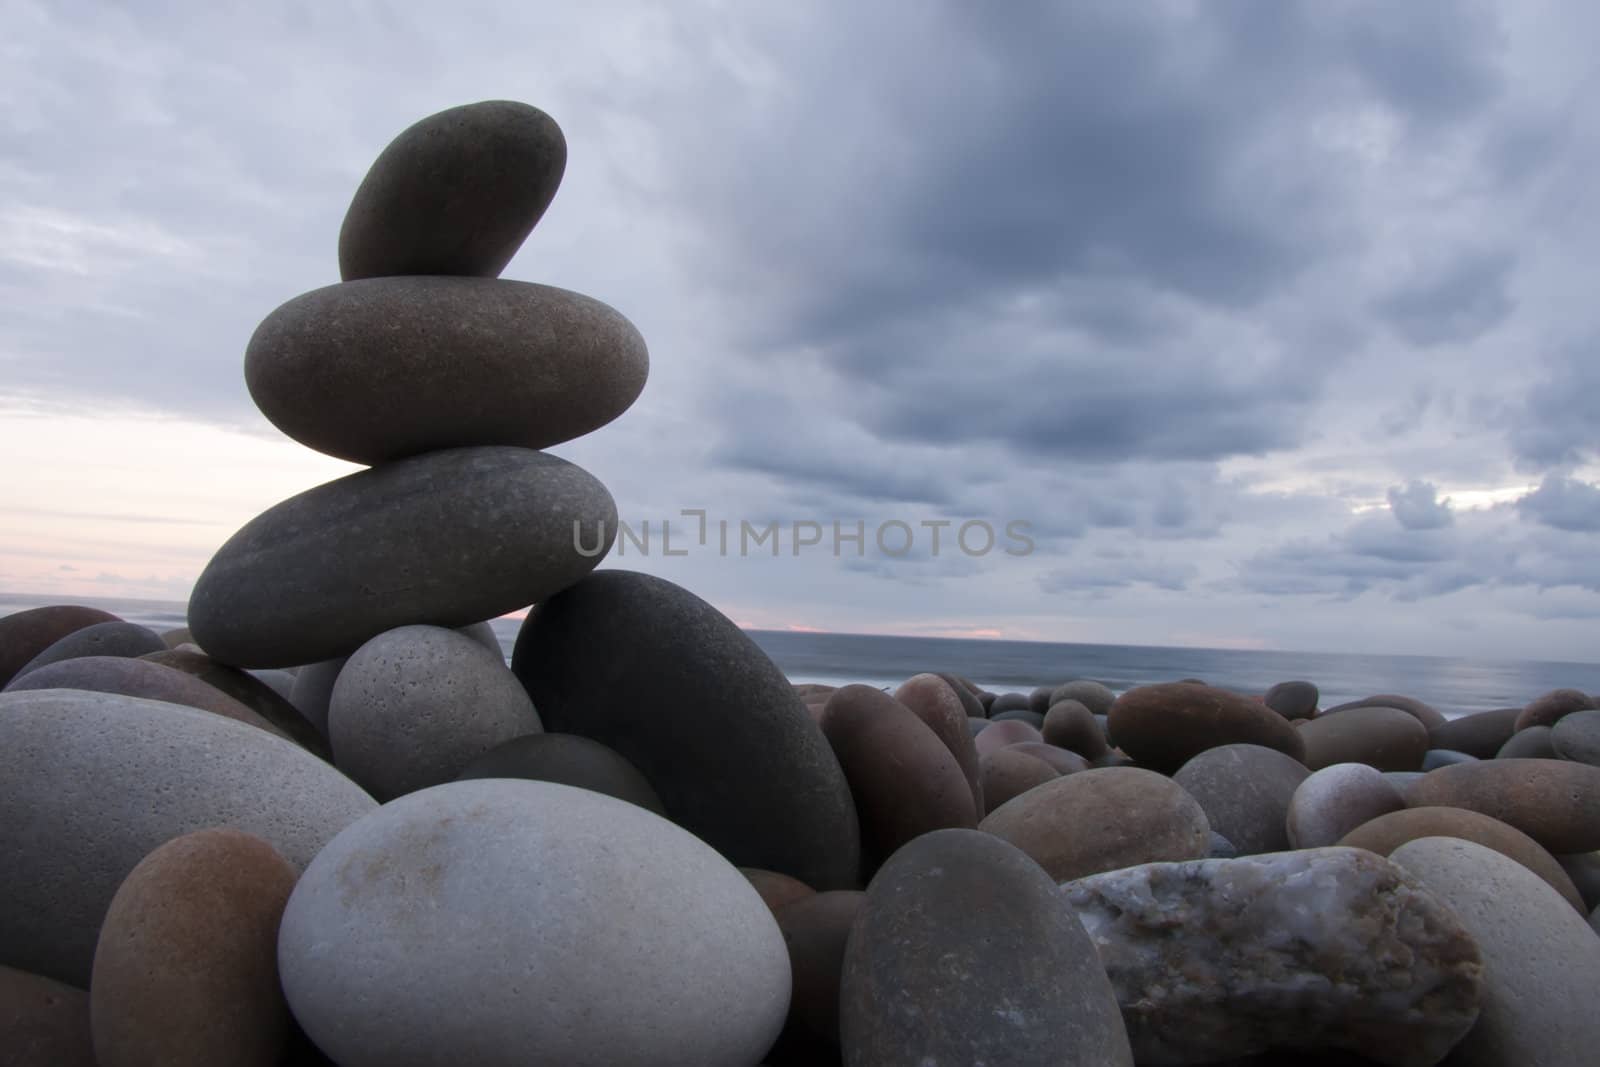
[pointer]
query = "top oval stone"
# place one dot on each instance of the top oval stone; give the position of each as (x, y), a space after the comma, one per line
(1164, 726)
(456, 193)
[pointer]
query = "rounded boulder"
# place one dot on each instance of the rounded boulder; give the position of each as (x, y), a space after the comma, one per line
(138, 678)
(1164, 726)
(1555, 802)
(1389, 739)
(1480, 734)
(1576, 737)
(566, 759)
(25, 634)
(125, 639)
(1331, 802)
(1245, 792)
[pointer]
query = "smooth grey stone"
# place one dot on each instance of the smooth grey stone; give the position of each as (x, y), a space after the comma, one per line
(25, 634)
(456, 193)
(1534, 742)
(1435, 758)
(976, 726)
(380, 369)
(279, 681)
(651, 670)
(1008, 702)
(318, 574)
(125, 639)
(484, 634)
(1335, 800)
(1429, 716)
(416, 704)
(566, 759)
(1480, 734)
(1327, 947)
(1576, 737)
(1403, 780)
(313, 688)
(1093, 695)
(1541, 960)
(95, 781)
(936, 973)
(1293, 700)
(1221, 848)
(566, 926)
(1032, 718)
(1245, 792)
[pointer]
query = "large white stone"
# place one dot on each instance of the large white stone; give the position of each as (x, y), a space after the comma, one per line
(512, 922)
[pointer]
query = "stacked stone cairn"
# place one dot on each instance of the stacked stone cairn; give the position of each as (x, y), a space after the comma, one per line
(328, 823)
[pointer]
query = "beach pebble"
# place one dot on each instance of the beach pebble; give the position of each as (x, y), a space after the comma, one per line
(1550, 708)
(1584, 870)
(1245, 792)
(1429, 716)
(1541, 961)
(456, 193)
(1063, 761)
(1576, 737)
(1008, 773)
(1480, 734)
(98, 639)
(186, 969)
(962, 954)
(1220, 848)
(138, 678)
(493, 921)
(313, 688)
(416, 704)
(967, 694)
(776, 890)
(96, 781)
(1330, 947)
(1531, 742)
(1555, 802)
(1335, 800)
(976, 727)
(1388, 832)
(448, 538)
(1100, 820)
(1389, 739)
(1404, 780)
(1293, 700)
(1032, 718)
(707, 718)
(276, 679)
(254, 693)
(1164, 726)
(43, 1022)
(932, 700)
(1070, 725)
(1001, 733)
(1039, 698)
(566, 759)
(25, 634)
(816, 929)
(378, 370)
(1435, 758)
(1008, 702)
(1093, 695)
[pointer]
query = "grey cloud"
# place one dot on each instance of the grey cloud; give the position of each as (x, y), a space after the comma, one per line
(1554, 425)
(1564, 503)
(1417, 507)
(1462, 301)
(1112, 569)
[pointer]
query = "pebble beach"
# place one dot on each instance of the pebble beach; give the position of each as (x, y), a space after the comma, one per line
(328, 820)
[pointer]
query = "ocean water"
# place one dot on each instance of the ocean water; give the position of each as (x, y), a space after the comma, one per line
(1454, 686)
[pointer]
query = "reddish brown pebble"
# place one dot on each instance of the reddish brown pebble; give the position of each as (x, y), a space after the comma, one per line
(816, 930)
(1552, 707)
(1008, 774)
(777, 890)
(25, 634)
(43, 1022)
(934, 701)
(1389, 739)
(1164, 726)
(1555, 802)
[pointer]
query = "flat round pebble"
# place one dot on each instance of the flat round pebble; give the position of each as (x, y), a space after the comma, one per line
(1164, 726)
(1335, 800)
(1245, 792)
(566, 759)
(1389, 739)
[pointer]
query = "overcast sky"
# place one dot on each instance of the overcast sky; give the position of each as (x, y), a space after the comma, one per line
(1276, 322)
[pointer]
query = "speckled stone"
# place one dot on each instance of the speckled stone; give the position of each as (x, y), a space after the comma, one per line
(1480, 734)
(1576, 737)
(1550, 708)
(932, 700)
(1164, 726)
(554, 919)
(25, 634)
(1095, 696)
(1430, 717)
(99, 639)
(1389, 739)
(1008, 773)
(1293, 700)
(1245, 792)
(1335, 800)
(317, 575)
(1337, 947)
(935, 972)
(95, 781)
(1100, 820)
(43, 1022)
(1541, 960)
(1555, 802)
(456, 193)
(254, 693)
(138, 678)
(186, 968)
(566, 759)
(816, 929)
(1070, 725)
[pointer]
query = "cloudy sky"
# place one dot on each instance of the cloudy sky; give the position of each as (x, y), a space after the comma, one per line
(1274, 321)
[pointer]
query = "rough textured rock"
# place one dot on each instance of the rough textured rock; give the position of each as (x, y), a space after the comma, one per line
(1388, 832)
(1335, 800)
(377, 370)
(1389, 739)
(1100, 820)
(547, 918)
(1095, 696)
(1164, 726)
(705, 716)
(1533, 742)
(1480, 734)
(186, 968)
(416, 704)
(456, 193)
(1576, 737)
(1555, 802)
(1008, 773)
(98, 639)
(936, 973)
(1330, 947)
(1541, 960)
(317, 575)
(138, 678)
(1552, 707)
(566, 759)
(1070, 725)
(1293, 700)
(254, 693)
(816, 929)
(932, 700)
(25, 634)
(1430, 717)
(1245, 792)
(43, 1022)
(96, 781)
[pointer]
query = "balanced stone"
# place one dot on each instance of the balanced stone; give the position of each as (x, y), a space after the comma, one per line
(43, 1022)
(962, 954)
(1480, 734)
(25, 634)
(377, 370)
(1070, 725)
(1215, 959)
(1389, 739)
(1008, 773)
(320, 573)
(566, 926)
(651, 670)
(95, 781)
(1335, 800)
(186, 969)
(1555, 802)
(99, 639)
(1164, 726)
(816, 929)
(1096, 697)
(1552, 707)
(252, 692)
(456, 193)
(1293, 700)
(1245, 792)
(566, 759)
(932, 700)
(1576, 737)
(138, 678)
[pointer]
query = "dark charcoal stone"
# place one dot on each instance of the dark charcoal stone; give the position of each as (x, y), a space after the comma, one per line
(319, 574)
(25, 634)
(43, 1022)
(964, 954)
(651, 670)
(1164, 726)
(1039, 699)
(566, 759)
(1245, 792)
(1480, 734)
(100, 639)
(1293, 700)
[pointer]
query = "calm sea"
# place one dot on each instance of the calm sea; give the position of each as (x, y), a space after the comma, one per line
(1454, 686)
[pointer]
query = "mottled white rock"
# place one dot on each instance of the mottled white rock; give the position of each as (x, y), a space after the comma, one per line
(1337, 799)
(1324, 948)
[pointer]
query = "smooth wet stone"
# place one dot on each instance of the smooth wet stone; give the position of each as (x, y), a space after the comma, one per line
(415, 705)
(1164, 726)
(705, 716)
(1555, 802)
(776, 890)
(254, 693)
(1576, 737)
(1335, 800)
(99, 639)
(1001, 733)
(1100, 820)
(43, 1022)
(932, 700)
(938, 971)
(816, 930)
(95, 781)
(1293, 700)
(1550, 708)
(25, 634)
(1388, 832)
(1584, 870)
(319, 574)
(1328, 947)
(1389, 739)
(1008, 773)
(377, 370)
(1070, 725)
(138, 678)
(554, 919)
(1435, 758)
(313, 688)
(904, 780)
(1541, 961)
(1480, 734)
(1245, 792)
(186, 967)
(1093, 695)
(566, 759)
(1533, 742)
(1429, 716)
(456, 193)
(1063, 761)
